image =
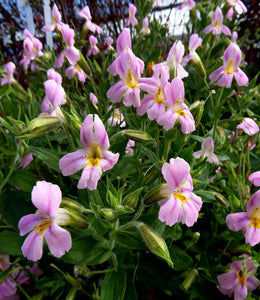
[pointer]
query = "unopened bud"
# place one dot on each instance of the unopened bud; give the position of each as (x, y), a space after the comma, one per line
(155, 243)
(221, 199)
(72, 218)
(40, 125)
(106, 213)
(121, 209)
(69, 203)
(222, 135)
(83, 64)
(156, 194)
(189, 279)
(131, 199)
(242, 249)
(149, 177)
(113, 201)
(137, 136)
(197, 109)
(198, 64)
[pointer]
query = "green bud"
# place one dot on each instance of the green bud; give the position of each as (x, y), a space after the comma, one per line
(155, 243)
(137, 136)
(121, 209)
(72, 218)
(131, 199)
(242, 249)
(189, 279)
(84, 65)
(18, 88)
(198, 64)
(112, 200)
(197, 109)
(149, 177)
(40, 125)
(72, 204)
(106, 213)
(156, 194)
(81, 271)
(72, 293)
(222, 135)
(221, 199)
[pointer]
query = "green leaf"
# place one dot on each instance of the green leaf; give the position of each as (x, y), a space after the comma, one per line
(24, 179)
(10, 242)
(49, 157)
(114, 286)
(86, 251)
(182, 261)
(129, 238)
(154, 55)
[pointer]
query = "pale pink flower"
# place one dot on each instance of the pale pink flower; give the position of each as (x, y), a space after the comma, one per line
(189, 3)
(182, 205)
(129, 147)
(239, 7)
(55, 20)
(254, 178)
(177, 109)
(216, 24)
(8, 74)
(26, 160)
(194, 43)
(230, 69)
(116, 119)
(249, 126)
(248, 221)
(46, 197)
(130, 85)
(71, 71)
(85, 13)
(94, 157)
(93, 46)
(7, 286)
(71, 53)
(239, 279)
(145, 29)
(108, 44)
(93, 98)
(207, 148)
(131, 19)
(52, 74)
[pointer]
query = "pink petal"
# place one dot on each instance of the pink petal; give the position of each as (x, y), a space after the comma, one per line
(174, 91)
(237, 221)
(132, 97)
(58, 240)
(123, 41)
(116, 92)
(252, 283)
(254, 178)
(70, 72)
(89, 178)
(109, 160)
(169, 211)
(27, 223)
(47, 198)
(252, 235)
(227, 280)
(32, 246)
(216, 74)
(253, 203)
(241, 78)
(195, 42)
(225, 80)
(71, 163)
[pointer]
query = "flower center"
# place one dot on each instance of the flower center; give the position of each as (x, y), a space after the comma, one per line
(241, 277)
(230, 68)
(130, 80)
(255, 218)
(181, 197)
(159, 97)
(78, 68)
(93, 162)
(43, 226)
(217, 24)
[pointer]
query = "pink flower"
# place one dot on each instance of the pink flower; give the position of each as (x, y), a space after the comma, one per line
(55, 20)
(254, 178)
(52, 74)
(124, 43)
(154, 103)
(194, 43)
(239, 7)
(189, 3)
(130, 84)
(93, 46)
(71, 53)
(26, 160)
(182, 205)
(7, 286)
(71, 71)
(145, 29)
(46, 197)
(94, 157)
(8, 74)
(239, 279)
(249, 126)
(129, 147)
(174, 60)
(224, 74)
(207, 148)
(248, 221)
(177, 109)
(131, 19)
(116, 119)
(85, 13)
(217, 27)
(108, 44)
(93, 98)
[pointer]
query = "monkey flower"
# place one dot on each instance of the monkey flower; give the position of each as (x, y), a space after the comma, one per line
(224, 75)
(116, 119)
(94, 157)
(93, 46)
(93, 99)
(46, 197)
(248, 221)
(189, 3)
(254, 178)
(131, 19)
(55, 20)
(182, 205)
(71, 71)
(8, 74)
(239, 279)
(207, 148)
(145, 29)
(217, 27)
(85, 13)
(52, 74)
(249, 126)
(239, 7)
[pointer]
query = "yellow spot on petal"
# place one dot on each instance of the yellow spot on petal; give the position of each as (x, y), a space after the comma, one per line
(78, 68)
(130, 80)
(181, 197)
(43, 226)
(159, 97)
(255, 218)
(93, 162)
(230, 68)
(217, 24)
(241, 277)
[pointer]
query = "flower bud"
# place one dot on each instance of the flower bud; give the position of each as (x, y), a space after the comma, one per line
(189, 279)
(149, 177)
(72, 218)
(40, 125)
(155, 243)
(71, 204)
(121, 209)
(157, 193)
(197, 109)
(222, 135)
(83, 64)
(106, 213)
(131, 199)
(198, 64)
(221, 199)
(137, 136)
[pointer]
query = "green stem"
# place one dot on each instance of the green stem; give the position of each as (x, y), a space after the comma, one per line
(101, 272)
(218, 107)
(8, 176)
(138, 214)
